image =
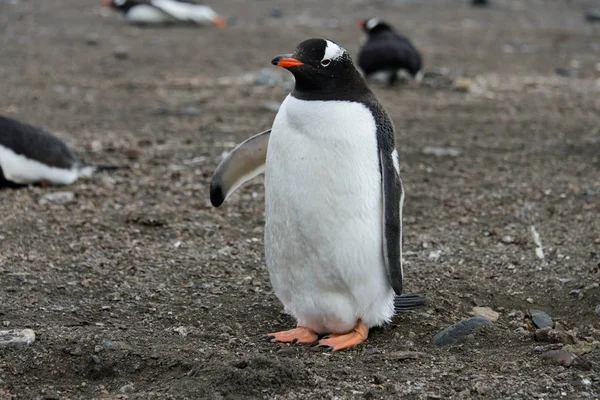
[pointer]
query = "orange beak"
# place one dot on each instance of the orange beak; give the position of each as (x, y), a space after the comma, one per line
(284, 61)
(361, 23)
(219, 21)
(106, 3)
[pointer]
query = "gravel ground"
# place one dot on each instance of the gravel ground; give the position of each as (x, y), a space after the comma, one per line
(137, 288)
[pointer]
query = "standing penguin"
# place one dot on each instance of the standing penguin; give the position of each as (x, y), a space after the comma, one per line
(333, 197)
(30, 155)
(165, 12)
(386, 53)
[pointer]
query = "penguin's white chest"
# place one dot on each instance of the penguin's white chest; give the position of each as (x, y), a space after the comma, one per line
(323, 230)
(19, 169)
(146, 14)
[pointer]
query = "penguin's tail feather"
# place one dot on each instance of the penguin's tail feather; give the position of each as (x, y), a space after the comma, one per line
(408, 301)
(88, 170)
(107, 168)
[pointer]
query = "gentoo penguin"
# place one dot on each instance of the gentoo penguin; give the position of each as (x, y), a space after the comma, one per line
(30, 155)
(333, 198)
(386, 52)
(165, 12)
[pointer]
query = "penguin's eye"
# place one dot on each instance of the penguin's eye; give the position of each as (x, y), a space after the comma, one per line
(325, 62)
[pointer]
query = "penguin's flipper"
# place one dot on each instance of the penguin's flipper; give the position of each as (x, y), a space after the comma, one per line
(409, 301)
(393, 199)
(244, 162)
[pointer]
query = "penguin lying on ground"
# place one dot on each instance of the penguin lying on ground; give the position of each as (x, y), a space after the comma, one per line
(386, 53)
(30, 155)
(165, 12)
(333, 197)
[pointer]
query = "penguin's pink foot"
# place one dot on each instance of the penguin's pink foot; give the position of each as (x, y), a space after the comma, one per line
(301, 334)
(335, 342)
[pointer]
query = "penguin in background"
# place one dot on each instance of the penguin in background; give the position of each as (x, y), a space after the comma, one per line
(160, 12)
(333, 201)
(30, 155)
(387, 53)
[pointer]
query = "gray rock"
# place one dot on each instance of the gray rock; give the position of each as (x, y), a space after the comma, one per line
(121, 52)
(190, 110)
(455, 333)
(127, 389)
(92, 39)
(598, 310)
(276, 12)
(16, 337)
(540, 319)
(59, 89)
(508, 239)
(57, 197)
(441, 151)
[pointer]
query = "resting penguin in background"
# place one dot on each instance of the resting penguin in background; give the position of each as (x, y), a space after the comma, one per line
(155, 12)
(30, 155)
(333, 197)
(387, 53)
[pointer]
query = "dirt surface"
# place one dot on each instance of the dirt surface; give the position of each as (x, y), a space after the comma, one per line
(140, 289)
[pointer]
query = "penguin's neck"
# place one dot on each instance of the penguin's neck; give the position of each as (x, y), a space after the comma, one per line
(352, 89)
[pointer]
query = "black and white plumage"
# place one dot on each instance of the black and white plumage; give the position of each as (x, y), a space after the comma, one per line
(386, 52)
(157, 12)
(30, 155)
(333, 197)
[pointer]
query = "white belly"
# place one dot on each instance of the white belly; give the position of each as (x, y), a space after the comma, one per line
(21, 170)
(323, 231)
(145, 14)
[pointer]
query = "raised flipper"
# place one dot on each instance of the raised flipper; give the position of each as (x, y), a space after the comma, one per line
(243, 163)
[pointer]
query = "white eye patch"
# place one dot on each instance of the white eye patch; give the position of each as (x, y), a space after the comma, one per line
(332, 51)
(372, 23)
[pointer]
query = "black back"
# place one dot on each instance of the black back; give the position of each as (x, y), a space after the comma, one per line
(35, 144)
(126, 5)
(387, 50)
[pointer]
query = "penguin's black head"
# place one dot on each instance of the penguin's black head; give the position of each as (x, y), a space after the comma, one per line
(121, 5)
(320, 65)
(374, 25)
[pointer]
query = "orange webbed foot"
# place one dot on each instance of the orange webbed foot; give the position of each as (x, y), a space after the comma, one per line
(300, 334)
(335, 342)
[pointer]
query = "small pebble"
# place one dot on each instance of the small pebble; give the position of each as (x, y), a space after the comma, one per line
(57, 197)
(276, 12)
(95, 359)
(92, 39)
(441, 151)
(121, 52)
(598, 310)
(508, 239)
(190, 111)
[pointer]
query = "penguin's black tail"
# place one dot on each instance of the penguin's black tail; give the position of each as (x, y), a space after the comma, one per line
(408, 301)
(107, 168)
